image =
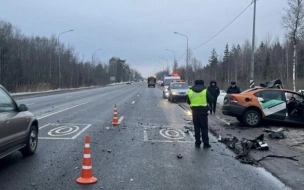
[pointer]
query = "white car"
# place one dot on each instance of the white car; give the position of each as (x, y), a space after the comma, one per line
(178, 91)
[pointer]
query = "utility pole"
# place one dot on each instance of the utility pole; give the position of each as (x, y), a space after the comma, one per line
(252, 54)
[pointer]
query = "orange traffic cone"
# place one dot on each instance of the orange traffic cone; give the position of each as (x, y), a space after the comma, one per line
(86, 173)
(115, 118)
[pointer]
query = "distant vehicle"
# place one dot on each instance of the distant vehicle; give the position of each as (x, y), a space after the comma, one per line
(178, 91)
(151, 81)
(300, 91)
(128, 82)
(167, 81)
(18, 127)
(267, 102)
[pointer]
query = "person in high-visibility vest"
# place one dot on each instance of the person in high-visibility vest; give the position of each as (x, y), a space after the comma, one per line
(198, 98)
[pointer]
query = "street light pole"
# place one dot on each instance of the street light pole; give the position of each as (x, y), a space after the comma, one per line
(174, 56)
(59, 70)
(252, 54)
(93, 55)
(167, 61)
(187, 62)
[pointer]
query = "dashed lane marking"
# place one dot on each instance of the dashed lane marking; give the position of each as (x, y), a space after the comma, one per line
(120, 119)
(133, 102)
(68, 108)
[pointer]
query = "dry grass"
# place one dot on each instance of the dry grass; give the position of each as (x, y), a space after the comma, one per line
(34, 88)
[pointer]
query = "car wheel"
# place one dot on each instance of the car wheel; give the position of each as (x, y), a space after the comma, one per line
(252, 118)
(32, 142)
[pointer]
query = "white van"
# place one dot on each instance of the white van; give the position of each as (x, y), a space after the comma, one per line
(167, 81)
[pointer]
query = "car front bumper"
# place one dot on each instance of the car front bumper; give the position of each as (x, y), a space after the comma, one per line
(179, 97)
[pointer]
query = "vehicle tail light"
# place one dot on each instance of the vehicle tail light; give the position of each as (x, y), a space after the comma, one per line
(233, 99)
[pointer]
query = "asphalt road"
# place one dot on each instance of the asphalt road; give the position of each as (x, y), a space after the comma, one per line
(140, 153)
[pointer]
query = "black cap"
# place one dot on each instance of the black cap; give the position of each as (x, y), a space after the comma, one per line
(233, 83)
(199, 82)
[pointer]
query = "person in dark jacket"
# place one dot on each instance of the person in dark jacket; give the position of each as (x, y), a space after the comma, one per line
(198, 99)
(233, 89)
(215, 92)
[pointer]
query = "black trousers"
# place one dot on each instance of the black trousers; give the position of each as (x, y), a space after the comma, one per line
(213, 106)
(200, 121)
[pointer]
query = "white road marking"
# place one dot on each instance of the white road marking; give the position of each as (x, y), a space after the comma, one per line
(191, 135)
(52, 138)
(120, 119)
(172, 137)
(44, 126)
(166, 141)
(145, 135)
(137, 95)
(81, 131)
(56, 137)
(133, 102)
(68, 108)
(170, 141)
(223, 120)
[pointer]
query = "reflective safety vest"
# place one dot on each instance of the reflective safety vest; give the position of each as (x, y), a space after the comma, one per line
(198, 99)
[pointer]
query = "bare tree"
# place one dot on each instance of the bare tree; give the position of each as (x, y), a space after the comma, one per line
(293, 21)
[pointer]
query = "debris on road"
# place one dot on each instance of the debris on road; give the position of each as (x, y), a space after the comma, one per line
(179, 156)
(109, 151)
(243, 147)
(275, 156)
(190, 128)
(277, 135)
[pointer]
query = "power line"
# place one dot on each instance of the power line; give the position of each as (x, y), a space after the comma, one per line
(220, 30)
(224, 27)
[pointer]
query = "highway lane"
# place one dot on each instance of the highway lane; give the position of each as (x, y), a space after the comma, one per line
(141, 153)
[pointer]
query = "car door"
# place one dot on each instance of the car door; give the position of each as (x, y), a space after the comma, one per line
(13, 124)
(292, 110)
(273, 104)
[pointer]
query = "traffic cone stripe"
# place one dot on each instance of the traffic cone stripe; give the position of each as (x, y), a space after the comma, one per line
(86, 173)
(87, 156)
(115, 117)
(86, 167)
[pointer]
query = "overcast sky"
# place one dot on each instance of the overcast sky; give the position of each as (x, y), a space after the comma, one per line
(140, 30)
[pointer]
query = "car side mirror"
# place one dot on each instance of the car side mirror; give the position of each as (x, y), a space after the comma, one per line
(23, 107)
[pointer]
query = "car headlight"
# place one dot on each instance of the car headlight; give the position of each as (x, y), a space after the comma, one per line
(166, 90)
(167, 93)
(174, 93)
